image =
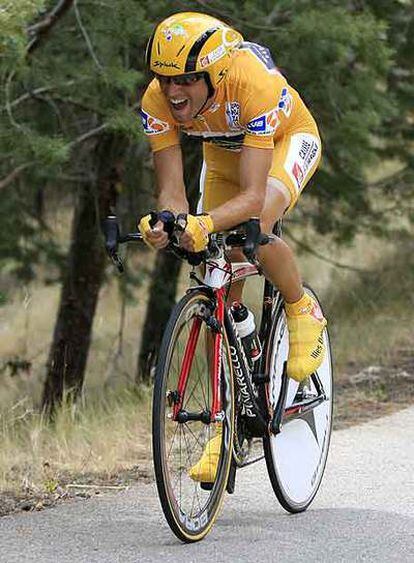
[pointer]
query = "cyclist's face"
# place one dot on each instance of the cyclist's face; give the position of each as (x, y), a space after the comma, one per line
(185, 98)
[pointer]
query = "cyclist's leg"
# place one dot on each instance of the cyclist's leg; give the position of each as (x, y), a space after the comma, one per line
(295, 160)
(219, 177)
(277, 260)
(296, 157)
(219, 182)
(282, 192)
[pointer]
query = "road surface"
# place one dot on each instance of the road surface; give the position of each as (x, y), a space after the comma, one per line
(364, 511)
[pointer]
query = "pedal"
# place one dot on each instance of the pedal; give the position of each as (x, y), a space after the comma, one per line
(260, 378)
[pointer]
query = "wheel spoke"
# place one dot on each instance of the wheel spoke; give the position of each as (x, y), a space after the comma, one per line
(195, 437)
(172, 440)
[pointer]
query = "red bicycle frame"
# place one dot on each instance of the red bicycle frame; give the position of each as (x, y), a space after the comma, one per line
(218, 274)
(189, 354)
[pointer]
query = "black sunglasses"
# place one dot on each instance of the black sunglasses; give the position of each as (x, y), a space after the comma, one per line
(180, 80)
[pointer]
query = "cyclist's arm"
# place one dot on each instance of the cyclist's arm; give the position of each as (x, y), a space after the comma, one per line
(254, 169)
(169, 174)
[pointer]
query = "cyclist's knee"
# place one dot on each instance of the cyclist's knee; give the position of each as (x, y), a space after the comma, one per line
(276, 203)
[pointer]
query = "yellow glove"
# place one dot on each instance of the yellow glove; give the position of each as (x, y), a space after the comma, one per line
(199, 227)
(144, 228)
(159, 238)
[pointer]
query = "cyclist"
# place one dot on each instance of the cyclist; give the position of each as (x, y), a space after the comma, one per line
(260, 146)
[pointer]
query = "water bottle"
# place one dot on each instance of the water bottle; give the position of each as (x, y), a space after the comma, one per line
(246, 328)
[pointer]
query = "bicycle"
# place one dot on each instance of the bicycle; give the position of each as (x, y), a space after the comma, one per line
(206, 386)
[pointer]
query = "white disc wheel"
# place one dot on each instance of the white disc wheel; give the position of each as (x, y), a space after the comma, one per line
(296, 456)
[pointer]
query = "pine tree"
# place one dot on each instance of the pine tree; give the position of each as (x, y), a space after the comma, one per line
(71, 74)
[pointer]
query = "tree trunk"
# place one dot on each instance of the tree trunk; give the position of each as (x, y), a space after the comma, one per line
(82, 281)
(165, 279)
(161, 299)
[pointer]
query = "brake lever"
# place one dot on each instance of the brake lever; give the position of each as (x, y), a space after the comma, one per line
(118, 262)
(110, 230)
(252, 228)
(154, 219)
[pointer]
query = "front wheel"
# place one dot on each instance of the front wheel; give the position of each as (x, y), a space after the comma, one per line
(187, 347)
(296, 457)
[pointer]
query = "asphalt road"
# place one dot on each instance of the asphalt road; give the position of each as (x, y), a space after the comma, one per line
(364, 511)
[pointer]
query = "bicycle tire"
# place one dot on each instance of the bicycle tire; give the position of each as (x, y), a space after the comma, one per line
(189, 520)
(296, 476)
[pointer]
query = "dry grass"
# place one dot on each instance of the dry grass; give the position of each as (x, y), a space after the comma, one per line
(372, 314)
(101, 437)
(109, 432)
(369, 310)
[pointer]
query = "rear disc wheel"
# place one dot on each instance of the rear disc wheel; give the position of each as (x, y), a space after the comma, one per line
(296, 457)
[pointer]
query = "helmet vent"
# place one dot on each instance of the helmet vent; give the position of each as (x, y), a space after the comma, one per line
(195, 50)
(180, 50)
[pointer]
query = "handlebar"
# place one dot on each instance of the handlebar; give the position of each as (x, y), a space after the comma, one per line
(248, 240)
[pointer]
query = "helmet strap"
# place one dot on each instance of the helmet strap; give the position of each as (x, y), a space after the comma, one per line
(210, 92)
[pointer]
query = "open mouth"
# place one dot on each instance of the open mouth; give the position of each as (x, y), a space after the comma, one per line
(179, 104)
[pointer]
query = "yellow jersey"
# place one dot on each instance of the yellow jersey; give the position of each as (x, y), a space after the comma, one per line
(253, 107)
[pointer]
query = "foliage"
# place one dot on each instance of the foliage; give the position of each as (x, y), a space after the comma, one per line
(68, 102)
(55, 102)
(352, 64)
(14, 19)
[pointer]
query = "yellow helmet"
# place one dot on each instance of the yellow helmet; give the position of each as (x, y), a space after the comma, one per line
(192, 42)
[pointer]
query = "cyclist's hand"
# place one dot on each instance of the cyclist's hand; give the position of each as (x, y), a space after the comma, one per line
(195, 236)
(155, 237)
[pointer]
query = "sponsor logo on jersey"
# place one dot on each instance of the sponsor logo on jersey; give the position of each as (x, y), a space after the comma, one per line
(153, 125)
(265, 124)
(233, 115)
(302, 155)
(307, 150)
(298, 174)
(285, 103)
(213, 56)
(307, 153)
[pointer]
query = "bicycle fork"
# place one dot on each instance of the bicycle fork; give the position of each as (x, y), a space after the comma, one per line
(213, 317)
